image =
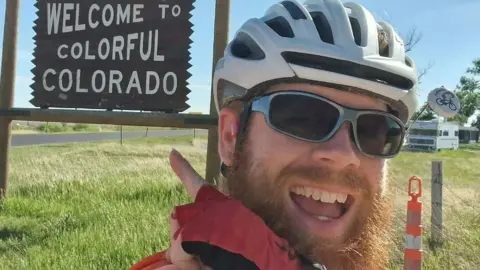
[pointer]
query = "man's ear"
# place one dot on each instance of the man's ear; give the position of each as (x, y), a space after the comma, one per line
(228, 122)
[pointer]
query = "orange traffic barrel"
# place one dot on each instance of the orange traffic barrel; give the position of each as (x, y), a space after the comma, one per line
(413, 240)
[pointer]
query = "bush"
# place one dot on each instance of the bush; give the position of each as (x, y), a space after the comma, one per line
(64, 127)
(79, 127)
(53, 127)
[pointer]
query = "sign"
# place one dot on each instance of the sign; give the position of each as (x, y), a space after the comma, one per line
(444, 102)
(112, 54)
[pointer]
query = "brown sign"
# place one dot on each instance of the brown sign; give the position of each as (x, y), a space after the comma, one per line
(112, 54)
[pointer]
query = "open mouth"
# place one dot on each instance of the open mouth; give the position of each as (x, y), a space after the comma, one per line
(321, 204)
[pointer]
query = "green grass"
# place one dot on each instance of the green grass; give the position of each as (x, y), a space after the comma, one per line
(74, 128)
(459, 166)
(101, 205)
(461, 214)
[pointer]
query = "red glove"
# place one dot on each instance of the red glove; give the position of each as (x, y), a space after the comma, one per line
(226, 235)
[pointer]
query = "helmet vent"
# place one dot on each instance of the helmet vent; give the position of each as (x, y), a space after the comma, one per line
(243, 46)
(357, 32)
(281, 26)
(294, 10)
(408, 62)
(323, 27)
(348, 68)
(383, 45)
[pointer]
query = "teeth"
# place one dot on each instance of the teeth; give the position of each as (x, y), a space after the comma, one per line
(322, 218)
(326, 197)
(341, 197)
(308, 192)
(320, 195)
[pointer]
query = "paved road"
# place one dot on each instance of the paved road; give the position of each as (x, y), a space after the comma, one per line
(33, 139)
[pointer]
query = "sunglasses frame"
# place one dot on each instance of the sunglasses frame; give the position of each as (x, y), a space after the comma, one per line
(262, 103)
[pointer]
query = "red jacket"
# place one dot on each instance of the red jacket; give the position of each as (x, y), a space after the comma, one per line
(226, 235)
(152, 262)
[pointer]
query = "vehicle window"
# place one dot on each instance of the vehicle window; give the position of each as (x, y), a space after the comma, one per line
(425, 132)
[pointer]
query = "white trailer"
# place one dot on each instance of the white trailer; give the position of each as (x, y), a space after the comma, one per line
(433, 135)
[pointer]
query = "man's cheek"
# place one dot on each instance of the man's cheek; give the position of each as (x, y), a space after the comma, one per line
(376, 172)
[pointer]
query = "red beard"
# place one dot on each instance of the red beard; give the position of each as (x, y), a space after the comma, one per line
(364, 246)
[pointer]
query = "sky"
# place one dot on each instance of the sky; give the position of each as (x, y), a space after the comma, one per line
(450, 40)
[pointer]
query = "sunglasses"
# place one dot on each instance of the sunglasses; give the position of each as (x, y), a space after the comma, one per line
(311, 118)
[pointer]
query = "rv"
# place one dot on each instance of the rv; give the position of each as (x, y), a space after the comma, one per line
(433, 135)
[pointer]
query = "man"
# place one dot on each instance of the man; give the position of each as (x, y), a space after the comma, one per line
(312, 102)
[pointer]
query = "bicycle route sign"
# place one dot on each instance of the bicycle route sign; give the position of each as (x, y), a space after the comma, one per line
(112, 54)
(444, 102)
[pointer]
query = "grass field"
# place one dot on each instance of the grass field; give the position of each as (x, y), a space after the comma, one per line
(100, 205)
(43, 128)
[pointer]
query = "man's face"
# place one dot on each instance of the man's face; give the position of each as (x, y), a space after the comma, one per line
(326, 199)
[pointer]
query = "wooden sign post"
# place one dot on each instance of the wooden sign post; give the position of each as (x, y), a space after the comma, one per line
(7, 83)
(222, 18)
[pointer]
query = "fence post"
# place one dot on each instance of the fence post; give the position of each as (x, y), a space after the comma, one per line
(121, 135)
(437, 200)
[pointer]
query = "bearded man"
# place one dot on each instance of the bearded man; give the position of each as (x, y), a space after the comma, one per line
(313, 100)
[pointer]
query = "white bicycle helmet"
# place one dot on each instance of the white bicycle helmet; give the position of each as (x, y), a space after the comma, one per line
(322, 42)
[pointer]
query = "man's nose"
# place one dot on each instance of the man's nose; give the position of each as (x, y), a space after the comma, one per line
(339, 152)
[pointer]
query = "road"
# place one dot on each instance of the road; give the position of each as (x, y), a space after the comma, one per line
(34, 139)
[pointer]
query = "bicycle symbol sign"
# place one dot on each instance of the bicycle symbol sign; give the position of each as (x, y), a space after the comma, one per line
(444, 102)
(447, 99)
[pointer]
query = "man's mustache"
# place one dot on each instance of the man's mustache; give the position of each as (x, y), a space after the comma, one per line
(348, 178)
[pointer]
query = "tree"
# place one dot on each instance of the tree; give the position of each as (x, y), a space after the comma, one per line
(468, 92)
(476, 122)
(459, 118)
(427, 114)
(411, 39)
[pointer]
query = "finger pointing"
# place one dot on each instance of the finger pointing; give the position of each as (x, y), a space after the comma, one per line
(189, 177)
